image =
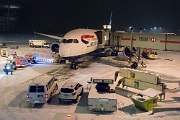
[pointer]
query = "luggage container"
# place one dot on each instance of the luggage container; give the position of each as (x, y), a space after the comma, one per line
(146, 100)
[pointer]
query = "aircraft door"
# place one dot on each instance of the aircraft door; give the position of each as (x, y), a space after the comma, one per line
(99, 36)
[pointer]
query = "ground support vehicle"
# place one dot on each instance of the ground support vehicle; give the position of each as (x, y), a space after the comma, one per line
(17, 61)
(21, 62)
(38, 43)
(32, 57)
(8, 68)
(70, 91)
(102, 96)
(5, 52)
(149, 54)
(146, 100)
(3, 45)
(41, 89)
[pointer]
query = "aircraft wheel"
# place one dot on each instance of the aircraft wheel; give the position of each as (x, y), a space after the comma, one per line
(56, 88)
(50, 99)
(59, 100)
(74, 66)
(14, 67)
(134, 65)
(82, 92)
(114, 53)
(75, 100)
(6, 73)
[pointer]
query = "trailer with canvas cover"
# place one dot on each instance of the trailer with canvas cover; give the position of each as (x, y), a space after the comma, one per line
(38, 43)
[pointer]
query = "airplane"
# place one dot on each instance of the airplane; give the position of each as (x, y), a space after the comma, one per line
(77, 43)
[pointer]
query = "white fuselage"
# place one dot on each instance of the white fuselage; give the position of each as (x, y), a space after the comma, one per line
(78, 42)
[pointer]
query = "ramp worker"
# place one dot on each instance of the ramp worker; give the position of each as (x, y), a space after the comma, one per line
(29, 59)
(8, 68)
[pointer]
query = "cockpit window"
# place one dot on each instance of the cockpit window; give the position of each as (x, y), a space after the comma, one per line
(63, 41)
(85, 42)
(70, 41)
(76, 41)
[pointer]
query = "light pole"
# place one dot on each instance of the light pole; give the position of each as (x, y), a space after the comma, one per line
(131, 45)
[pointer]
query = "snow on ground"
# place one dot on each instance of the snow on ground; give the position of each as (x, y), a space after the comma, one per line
(168, 63)
(13, 105)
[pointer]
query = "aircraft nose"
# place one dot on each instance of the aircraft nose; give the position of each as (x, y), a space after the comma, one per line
(65, 50)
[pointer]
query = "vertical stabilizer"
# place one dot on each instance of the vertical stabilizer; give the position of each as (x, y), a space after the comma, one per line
(110, 21)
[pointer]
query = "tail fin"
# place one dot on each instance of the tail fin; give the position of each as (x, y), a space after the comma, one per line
(110, 21)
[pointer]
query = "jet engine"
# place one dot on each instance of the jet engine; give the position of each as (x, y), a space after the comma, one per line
(55, 47)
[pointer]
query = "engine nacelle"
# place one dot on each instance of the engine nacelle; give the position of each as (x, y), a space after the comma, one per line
(55, 47)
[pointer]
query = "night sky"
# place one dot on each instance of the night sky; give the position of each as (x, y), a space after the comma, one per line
(64, 15)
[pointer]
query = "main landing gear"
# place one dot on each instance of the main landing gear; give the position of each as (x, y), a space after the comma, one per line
(74, 65)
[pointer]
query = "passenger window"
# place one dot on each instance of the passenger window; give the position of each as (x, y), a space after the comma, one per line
(47, 88)
(67, 90)
(69, 41)
(50, 83)
(40, 88)
(80, 85)
(63, 41)
(77, 86)
(32, 89)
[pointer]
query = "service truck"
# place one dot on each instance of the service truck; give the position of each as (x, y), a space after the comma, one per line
(102, 96)
(17, 61)
(5, 52)
(38, 43)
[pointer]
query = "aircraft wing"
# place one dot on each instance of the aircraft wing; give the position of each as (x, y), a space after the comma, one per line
(50, 36)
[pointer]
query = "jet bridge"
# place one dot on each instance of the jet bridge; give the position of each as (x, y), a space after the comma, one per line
(163, 41)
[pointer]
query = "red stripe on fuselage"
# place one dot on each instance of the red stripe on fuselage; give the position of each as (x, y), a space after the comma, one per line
(87, 36)
(127, 38)
(170, 41)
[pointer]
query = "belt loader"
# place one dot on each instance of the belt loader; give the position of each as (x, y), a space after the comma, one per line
(140, 80)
